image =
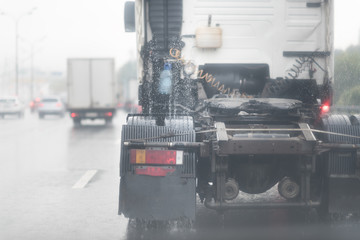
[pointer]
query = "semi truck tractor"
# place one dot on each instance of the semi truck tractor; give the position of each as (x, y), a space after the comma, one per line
(236, 98)
(91, 89)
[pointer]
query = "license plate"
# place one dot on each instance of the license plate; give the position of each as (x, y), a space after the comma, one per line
(91, 114)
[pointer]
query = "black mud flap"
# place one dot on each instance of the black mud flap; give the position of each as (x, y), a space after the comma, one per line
(157, 198)
(344, 195)
(162, 198)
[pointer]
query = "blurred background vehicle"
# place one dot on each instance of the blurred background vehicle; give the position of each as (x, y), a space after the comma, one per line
(91, 89)
(11, 106)
(51, 106)
(34, 104)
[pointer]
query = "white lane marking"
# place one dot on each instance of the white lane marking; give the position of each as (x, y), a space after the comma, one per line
(85, 179)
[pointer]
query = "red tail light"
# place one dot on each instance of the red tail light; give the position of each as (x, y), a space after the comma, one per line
(41, 105)
(154, 171)
(58, 104)
(325, 108)
(161, 157)
(139, 109)
(109, 114)
(32, 104)
(73, 115)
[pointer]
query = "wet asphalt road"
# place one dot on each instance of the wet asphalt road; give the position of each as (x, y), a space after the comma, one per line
(43, 163)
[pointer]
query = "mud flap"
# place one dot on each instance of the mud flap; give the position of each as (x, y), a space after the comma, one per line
(157, 198)
(162, 198)
(344, 195)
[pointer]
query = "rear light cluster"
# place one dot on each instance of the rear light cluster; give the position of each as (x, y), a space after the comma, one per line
(156, 157)
(58, 104)
(166, 158)
(74, 115)
(325, 108)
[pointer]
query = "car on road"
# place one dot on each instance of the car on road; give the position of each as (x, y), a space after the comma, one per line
(11, 106)
(51, 106)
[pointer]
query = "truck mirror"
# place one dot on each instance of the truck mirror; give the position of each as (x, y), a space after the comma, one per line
(129, 16)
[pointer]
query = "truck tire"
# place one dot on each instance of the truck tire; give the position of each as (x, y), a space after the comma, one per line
(338, 163)
(141, 120)
(182, 123)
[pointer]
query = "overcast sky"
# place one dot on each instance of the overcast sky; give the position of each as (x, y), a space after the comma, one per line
(60, 29)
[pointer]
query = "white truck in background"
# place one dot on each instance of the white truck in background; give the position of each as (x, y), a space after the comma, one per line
(91, 89)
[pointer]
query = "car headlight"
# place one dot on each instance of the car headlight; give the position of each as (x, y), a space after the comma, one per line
(189, 68)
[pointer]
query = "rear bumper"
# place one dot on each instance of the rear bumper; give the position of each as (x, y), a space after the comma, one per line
(157, 198)
(93, 113)
(51, 111)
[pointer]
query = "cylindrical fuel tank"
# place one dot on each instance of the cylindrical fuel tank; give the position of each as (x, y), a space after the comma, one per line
(246, 78)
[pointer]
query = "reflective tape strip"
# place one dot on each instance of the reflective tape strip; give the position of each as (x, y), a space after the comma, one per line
(179, 157)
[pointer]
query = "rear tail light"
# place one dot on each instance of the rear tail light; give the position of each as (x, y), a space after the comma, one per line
(73, 115)
(32, 104)
(41, 105)
(154, 171)
(139, 109)
(325, 108)
(109, 114)
(159, 157)
(58, 104)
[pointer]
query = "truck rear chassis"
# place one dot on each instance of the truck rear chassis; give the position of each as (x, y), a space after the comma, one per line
(319, 188)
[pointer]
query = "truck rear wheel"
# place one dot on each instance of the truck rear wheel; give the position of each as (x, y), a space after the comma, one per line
(341, 163)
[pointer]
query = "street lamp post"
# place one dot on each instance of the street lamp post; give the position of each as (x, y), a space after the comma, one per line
(32, 53)
(16, 20)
